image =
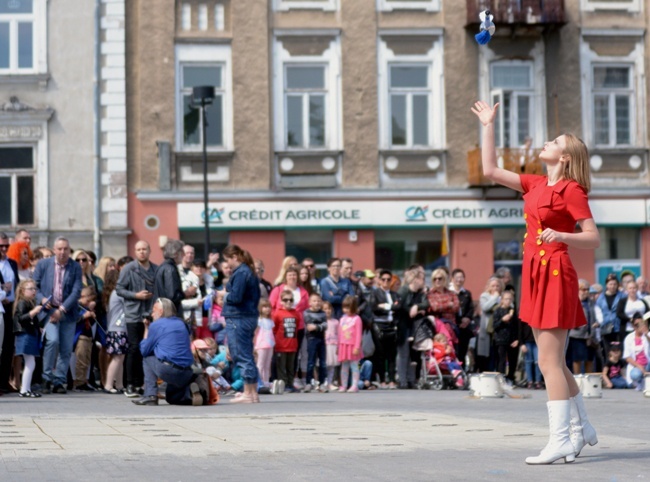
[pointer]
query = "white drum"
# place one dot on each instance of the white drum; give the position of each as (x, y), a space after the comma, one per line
(646, 391)
(486, 385)
(590, 385)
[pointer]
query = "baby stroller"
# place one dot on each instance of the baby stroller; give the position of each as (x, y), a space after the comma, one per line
(432, 374)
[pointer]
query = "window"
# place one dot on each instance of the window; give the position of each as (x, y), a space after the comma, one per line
(325, 5)
(511, 85)
(612, 103)
(426, 5)
(17, 172)
(610, 5)
(305, 101)
(203, 65)
(411, 92)
(307, 94)
(409, 105)
(22, 36)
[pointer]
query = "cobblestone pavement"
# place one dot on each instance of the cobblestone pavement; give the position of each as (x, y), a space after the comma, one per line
(381, 435)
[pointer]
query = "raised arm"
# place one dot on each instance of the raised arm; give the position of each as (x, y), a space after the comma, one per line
(491, 170)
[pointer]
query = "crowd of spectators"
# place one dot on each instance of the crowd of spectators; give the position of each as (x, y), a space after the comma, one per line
(128, 326)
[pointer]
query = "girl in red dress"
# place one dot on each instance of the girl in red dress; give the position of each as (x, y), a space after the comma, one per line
(553, 205)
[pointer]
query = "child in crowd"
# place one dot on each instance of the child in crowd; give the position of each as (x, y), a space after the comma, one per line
(27, 330)
(84, 339)
(315, 327)
(331, 342)
(504, 322)
(285, 321)
(217, 322)
(264, 341)
(636, 351)
(445, 355)
(350, 329)
(613, 369)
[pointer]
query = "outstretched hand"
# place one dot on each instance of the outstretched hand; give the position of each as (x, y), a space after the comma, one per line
(484, 112)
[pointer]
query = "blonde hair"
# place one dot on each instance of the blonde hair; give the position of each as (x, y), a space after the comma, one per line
(441, 338)
(489, 282)
(577, 169)
(440, 272)
(102, 267)
(20, 293)
(286, 263)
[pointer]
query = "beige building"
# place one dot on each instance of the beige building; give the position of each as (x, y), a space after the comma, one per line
(63, 122)
(342, 127)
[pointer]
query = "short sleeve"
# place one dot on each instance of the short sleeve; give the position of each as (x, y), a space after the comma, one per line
(529, 181)
(577, 202)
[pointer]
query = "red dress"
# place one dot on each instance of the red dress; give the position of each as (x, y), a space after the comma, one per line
(549, 283)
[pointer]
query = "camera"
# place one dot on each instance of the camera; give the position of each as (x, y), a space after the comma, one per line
(147, 317)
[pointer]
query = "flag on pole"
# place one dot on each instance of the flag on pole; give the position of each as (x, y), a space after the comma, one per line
(444, 250)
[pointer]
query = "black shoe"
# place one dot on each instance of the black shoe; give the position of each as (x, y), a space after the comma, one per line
(140, 391)
(47, 388)
(131, 392)
(85, 388)
(153, 400)
(59, 389)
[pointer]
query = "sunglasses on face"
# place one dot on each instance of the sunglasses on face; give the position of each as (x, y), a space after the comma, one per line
(287, 300)
(307, 265)
(82, 260)
(438, 279)
(4, 245)
(385, 279)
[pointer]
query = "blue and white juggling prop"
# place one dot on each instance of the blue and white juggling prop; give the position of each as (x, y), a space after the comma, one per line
(487, 27)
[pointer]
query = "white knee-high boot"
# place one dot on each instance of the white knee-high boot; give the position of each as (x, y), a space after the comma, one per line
(582, 432)
(559, 445)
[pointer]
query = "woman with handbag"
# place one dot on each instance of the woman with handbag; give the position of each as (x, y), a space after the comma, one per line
(581, 350)
(488, 302)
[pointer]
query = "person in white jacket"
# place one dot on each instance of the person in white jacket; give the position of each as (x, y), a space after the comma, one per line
(636, 351)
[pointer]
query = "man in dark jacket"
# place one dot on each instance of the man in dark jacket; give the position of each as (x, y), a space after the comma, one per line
(168, 282)
(135, 286)
(58, 281)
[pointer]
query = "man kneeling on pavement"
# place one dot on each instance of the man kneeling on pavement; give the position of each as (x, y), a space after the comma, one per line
(167, 356)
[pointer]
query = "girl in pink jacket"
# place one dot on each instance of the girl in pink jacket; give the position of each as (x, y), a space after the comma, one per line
(350, 329)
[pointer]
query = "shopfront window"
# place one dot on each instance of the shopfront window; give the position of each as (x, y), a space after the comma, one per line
(397, 250)
(508, 252)
(196, 238)
(315, 244)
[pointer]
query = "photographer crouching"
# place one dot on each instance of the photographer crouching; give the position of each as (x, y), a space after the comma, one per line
(167, 355)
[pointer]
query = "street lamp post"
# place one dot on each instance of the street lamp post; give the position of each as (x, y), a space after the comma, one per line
(202, 97)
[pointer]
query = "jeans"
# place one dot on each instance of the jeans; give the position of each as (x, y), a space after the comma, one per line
(241, 332)
(618, 382)
(637, 376)
(284, 363)
(178, 381)
(530, 360)
(58, 348)
(365, 373)
(134, 373)
(404, 374)
(316, 348)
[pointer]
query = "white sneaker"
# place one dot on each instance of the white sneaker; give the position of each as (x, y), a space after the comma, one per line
(281, 387)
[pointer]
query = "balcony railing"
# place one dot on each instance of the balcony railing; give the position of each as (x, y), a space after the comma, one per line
(520, 161)
(518, 12)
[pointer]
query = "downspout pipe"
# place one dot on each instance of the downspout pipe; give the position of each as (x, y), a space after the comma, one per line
(97, 138)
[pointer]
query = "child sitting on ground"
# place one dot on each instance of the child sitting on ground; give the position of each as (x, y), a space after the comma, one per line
(84, 339)
(444, 353)
(216, 368)
(613, 369)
